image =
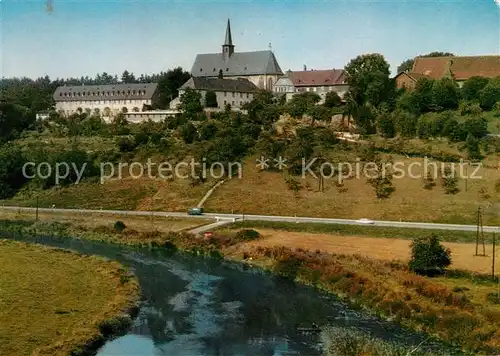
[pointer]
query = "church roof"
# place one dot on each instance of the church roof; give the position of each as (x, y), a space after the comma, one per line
(216, 84)
(238, 64)
(106, 92)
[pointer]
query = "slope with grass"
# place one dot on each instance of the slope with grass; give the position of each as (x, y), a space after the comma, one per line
(56, 302)
(267, 193)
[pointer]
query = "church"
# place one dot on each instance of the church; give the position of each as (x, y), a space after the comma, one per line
(259, 67)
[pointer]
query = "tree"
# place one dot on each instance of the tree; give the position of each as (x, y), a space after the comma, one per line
(428, 256)
(332, 100)
(11, 174)
(406, 123)
(211, 99)
(168, 86)
(302, 103)
(490, 94)
(368, 79)
(128, 78)
(407, 65)
(445, 94)
(385, 124)
(471, 146)
(191, 102)
(473, 86)
(188, 132)
(319, 113)
(13, 120)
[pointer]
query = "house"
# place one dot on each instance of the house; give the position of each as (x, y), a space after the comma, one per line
(235, 92)
(318, 81)
(259, 67)
(458, 68)
(107, 100)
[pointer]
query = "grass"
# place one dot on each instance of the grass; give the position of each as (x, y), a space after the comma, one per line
(267, 193)
(125, 194)
(55, 302)
(358, 230)
(90, 220)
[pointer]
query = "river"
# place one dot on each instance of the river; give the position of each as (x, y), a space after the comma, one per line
(199, 306)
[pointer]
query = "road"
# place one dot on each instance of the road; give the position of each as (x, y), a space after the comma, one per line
(239, 217)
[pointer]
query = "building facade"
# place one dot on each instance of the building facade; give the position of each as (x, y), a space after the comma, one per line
(106, 100)
(233, 92)
(259, 67)
(320, 82)
(457, 68)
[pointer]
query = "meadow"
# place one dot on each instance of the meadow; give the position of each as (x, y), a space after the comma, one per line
(56, 302)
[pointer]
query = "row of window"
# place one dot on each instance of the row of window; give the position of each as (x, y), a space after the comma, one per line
(103, 93)
(239, 103)
(101, 102)
(234, 94)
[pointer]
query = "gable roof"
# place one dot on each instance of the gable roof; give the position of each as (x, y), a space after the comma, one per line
(216, 84)
(316, 77)
(461, 68)
(414, 76)
(238, 64)
(105, 92)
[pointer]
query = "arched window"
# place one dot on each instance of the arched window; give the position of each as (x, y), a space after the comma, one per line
(269, 83)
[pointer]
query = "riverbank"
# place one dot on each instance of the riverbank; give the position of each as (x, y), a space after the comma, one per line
(450, 307)
(57, 302)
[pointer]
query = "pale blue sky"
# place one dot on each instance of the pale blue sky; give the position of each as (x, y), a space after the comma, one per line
(84, 37)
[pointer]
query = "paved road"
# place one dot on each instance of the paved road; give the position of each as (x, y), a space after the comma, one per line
(239, 217)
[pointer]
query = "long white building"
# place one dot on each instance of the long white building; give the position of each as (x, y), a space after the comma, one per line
(106, 100)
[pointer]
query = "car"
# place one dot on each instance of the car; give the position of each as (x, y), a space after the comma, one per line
(195, 211)
(366, 221)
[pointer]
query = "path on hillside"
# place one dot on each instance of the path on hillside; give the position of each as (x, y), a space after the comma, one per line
(236, 217)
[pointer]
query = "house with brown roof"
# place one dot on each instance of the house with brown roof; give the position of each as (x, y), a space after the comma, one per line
(458, 68)
(318, 81)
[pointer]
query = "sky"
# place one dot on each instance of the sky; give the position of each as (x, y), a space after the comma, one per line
(86, 37)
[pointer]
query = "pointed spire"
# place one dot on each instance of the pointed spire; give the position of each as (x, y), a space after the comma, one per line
(229, 38)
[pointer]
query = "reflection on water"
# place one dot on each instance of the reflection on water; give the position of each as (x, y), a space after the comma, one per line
(194, 306)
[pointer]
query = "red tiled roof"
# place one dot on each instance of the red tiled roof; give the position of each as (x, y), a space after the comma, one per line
(433, 67)
(316, 77)
(461, 68)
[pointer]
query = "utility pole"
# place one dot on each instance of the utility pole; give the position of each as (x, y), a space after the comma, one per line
(36, 208)
(493, 259)
(480, 226)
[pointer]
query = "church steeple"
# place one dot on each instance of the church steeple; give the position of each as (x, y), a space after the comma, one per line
(228, 47)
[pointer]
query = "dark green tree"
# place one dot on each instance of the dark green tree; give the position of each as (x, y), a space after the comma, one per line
(211, 99)
(188, 133)
(11, 170)
(302, 103)
(191, 102)
(332, 100)
(168, 86)
(428, 256)
(368, 79)
(472, 87)
(445, 94)
(490, 94)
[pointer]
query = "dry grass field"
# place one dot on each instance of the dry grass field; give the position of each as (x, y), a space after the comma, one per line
(53, 301)
(140, 223)
(125, 194)
(266, 192)
(388, 249)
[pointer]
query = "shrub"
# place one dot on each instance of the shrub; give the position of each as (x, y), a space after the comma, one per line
(428, 256)
(126, 144)
(247, 235)
(119, 226)
(494, 298)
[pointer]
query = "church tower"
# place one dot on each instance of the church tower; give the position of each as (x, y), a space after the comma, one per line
(228, 47)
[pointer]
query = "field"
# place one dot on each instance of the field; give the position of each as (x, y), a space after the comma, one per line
(267, 192)
(125, 194)
(54, 301)
(387, 249)
(162, 224)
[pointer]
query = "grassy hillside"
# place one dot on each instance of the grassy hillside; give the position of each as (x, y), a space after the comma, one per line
(53, 301)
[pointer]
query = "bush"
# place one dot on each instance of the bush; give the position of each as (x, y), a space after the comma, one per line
(119, 226)
(126, 144)
(428, 256)
(494, 298)
(247, 235)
